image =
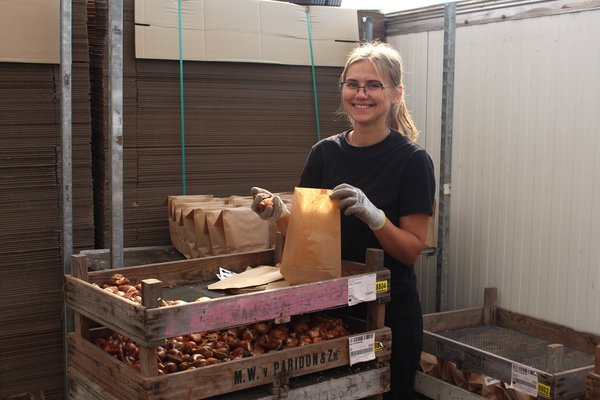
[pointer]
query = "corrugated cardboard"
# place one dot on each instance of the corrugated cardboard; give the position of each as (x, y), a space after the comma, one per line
(30, 31)
(258, 31)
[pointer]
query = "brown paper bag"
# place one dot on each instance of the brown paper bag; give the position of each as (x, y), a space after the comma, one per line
(216, 232)
(429, 365)
(312, 250)
(244, 230)
(185, 224)
(260, 275)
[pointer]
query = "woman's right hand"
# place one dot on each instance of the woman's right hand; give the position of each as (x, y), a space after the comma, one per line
(267, 205)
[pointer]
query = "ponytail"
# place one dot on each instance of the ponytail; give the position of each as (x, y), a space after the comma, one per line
(400, 120)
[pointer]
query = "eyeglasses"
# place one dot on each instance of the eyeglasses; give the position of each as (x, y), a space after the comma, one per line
(369, 87)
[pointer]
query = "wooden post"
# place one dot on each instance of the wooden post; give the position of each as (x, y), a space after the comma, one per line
(490, 298)
(592, 382)
(151, 293)
(375, 309)
(280, 387)
(279, 243)
(151, 298)
(554, 357)
(597, 365)
(79, 270)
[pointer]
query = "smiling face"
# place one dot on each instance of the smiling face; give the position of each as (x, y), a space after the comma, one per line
(369, 109)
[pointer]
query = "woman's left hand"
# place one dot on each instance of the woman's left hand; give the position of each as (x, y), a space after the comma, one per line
(354, 202)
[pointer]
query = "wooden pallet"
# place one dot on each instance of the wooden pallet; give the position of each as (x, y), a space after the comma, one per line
(91, 370)
(503, 344)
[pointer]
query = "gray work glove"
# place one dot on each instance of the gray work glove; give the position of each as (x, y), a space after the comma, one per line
(267, 205)
(354, 202)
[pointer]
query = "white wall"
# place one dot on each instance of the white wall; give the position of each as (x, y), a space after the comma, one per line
(525, 207)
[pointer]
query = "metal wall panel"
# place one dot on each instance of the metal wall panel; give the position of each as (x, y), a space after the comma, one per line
(422, 55)
(525, 213)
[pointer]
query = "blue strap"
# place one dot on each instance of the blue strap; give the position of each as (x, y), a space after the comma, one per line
(182, 106)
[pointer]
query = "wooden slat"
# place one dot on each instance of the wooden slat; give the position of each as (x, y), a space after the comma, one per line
(450, 320)
(188, 271)
(247, 308)
(546, 330)
(440, 390)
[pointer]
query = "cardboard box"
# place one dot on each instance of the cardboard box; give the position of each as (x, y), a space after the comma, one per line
(30, 31)
(259, 31)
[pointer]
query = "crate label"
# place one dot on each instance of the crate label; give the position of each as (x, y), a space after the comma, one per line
(361, 288)
(256, 373)
(524, 379)
(381, 287)
(543, 390)
(362, 348)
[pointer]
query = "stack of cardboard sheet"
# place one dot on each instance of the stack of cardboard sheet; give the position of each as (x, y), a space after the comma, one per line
(31, 270)
(245, 124)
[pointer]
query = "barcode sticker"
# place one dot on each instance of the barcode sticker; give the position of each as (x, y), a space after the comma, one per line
(361, 288)
(524, 379)
(362, 348)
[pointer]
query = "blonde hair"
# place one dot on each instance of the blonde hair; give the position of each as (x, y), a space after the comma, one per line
(388, 64)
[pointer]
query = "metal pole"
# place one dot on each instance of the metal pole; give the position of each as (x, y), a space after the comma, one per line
(445, 188)
(115, 126)
(66, 163)
(367, 29)
(66, 133)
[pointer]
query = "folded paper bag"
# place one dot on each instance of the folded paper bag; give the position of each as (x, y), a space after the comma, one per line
(260, 275)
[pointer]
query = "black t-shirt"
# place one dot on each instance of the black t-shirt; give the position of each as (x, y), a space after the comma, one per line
(396, 175)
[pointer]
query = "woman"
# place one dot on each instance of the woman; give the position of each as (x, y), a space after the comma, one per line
(385, 183)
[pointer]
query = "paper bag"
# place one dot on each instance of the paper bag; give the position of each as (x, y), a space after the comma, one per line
(187, 231)
(244, 230)
(312, 250)
(261, 275)
(216, 232)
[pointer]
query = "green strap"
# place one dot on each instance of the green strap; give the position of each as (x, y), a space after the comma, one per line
(314, 77)
(182, 106)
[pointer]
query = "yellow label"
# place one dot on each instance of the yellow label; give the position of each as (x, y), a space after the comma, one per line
(543, 390)
(377, 346)
(381, 286)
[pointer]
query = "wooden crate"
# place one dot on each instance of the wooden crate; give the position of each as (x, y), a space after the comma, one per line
(500, 343)
(592, 388)
(92, 370)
